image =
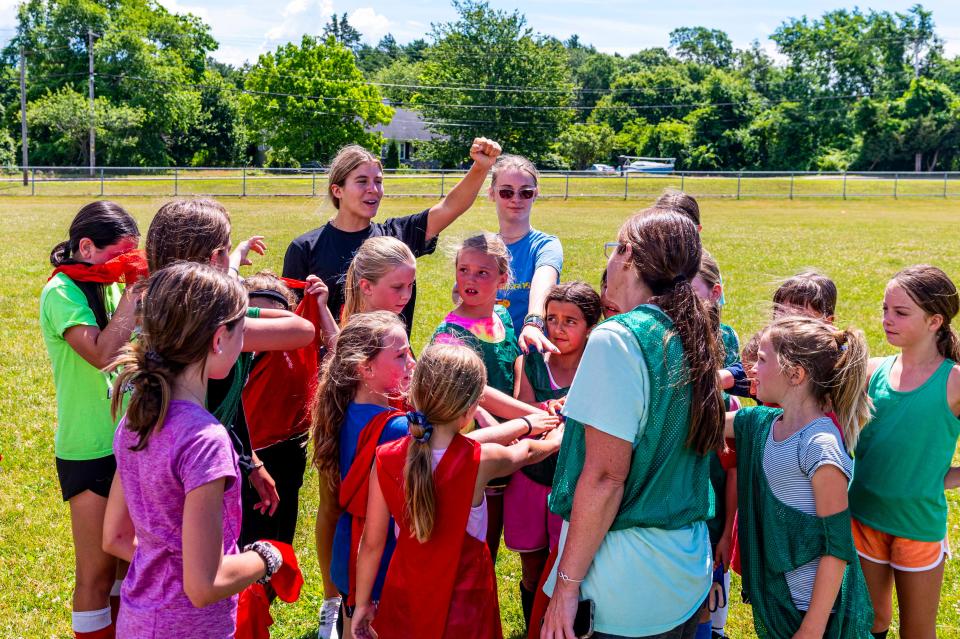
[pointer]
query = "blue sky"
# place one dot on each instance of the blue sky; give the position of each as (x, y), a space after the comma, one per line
(246, 28)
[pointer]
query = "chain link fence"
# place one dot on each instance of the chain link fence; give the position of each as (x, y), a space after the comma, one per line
(275, 182)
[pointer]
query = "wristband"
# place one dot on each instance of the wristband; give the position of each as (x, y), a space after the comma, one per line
(235, 270)
(256, 466)
(272, 559)
(532, 319)
(529, 427)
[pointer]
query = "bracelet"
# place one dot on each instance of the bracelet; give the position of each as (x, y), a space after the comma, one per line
(272, 559)
(529, 427)
(256, 466)
(535, 320)
(235, 270)
(562, 576)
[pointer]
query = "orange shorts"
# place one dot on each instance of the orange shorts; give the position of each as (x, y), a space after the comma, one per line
(900, 553)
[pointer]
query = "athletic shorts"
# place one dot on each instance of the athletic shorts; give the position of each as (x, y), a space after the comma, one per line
(528, 525)
(899, 553)
(94, 475)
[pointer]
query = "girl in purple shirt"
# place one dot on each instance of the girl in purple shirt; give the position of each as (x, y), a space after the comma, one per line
(174, 507)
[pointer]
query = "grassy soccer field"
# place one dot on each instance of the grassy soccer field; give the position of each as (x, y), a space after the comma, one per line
(859, 243)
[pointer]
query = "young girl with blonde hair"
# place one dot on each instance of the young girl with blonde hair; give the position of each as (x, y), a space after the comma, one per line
(796, 548)
(356, 190)
(382, 277)
(432, 483)
(354, 410)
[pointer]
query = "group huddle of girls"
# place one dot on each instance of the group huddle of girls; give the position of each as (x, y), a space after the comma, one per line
(630, 462)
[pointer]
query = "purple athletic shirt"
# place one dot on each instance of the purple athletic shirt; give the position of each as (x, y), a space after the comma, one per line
(190, 449)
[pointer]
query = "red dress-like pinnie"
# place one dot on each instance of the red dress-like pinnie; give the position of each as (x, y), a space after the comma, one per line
(446, 587)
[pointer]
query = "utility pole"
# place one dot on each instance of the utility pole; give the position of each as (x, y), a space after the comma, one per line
(918, 157)
(23, 114)
(93, 115)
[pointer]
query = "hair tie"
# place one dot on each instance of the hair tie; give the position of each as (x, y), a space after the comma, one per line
(664, 286)
(416, 418)
(154, 357)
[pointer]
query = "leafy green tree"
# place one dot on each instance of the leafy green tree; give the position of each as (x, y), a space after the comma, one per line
(584, 144)
(306, 101)
(60, 125)
(720, 134)
(931, 121)
(494, 50)
(877, 125)
(852, 52)
(398, 82)
(146, 58)
(342, 31)
(372, 59)
(654, 94)
(218, 136)
(710, 47)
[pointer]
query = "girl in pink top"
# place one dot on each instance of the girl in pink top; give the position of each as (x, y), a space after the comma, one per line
(174, 507)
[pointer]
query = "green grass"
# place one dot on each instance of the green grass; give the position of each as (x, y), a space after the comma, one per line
(860, 243)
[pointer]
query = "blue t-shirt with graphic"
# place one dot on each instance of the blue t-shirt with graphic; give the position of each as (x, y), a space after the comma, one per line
(533, 250)
(357, 417)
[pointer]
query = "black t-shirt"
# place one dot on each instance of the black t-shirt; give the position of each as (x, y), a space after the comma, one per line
(327, 252)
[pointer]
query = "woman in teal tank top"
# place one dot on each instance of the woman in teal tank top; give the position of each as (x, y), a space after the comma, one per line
(632, 481)
(904, 454)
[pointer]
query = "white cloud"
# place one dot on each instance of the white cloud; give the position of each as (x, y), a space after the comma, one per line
(300, 17)
(174, 6)
(8, 18)
(371, 24)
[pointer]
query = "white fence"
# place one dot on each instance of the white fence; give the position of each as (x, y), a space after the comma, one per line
(259, 182)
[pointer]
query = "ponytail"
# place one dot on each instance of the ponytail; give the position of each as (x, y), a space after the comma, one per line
(666, 253)
(835, 362)
(698, 330)
(446, 385)
(948, 343)
(419, 491)
(848, 390)
(151, 379)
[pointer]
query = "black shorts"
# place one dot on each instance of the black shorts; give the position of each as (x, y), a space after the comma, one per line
(88, 474)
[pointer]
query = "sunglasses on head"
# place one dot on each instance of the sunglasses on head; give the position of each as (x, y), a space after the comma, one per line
(507, 194)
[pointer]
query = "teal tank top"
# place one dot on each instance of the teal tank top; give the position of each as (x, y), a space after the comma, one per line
(903, 455)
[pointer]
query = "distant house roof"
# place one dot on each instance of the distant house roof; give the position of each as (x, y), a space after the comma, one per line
(406, 125)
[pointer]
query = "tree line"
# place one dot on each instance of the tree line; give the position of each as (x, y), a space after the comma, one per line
(851, 89)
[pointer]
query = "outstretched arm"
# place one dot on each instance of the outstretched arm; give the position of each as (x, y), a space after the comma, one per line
(461, 197)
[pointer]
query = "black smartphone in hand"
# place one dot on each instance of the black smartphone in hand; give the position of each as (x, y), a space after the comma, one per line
(583, 621)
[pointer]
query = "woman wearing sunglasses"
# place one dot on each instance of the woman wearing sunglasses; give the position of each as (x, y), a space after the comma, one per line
(536, 258)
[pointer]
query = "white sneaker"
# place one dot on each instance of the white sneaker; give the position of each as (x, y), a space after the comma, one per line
(329, 612)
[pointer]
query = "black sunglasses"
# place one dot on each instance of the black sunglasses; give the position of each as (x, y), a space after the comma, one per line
(507, 194)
